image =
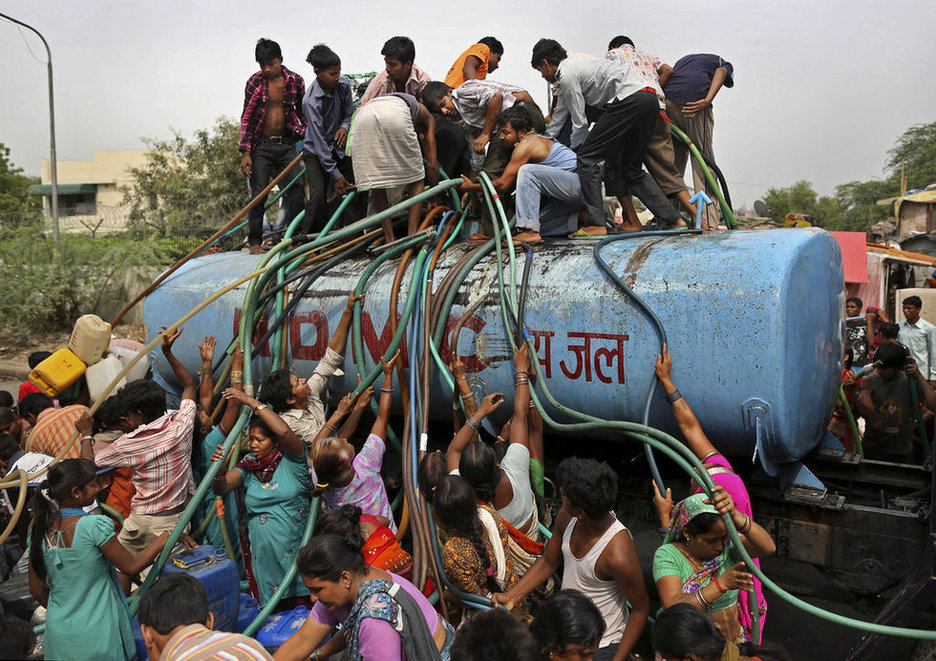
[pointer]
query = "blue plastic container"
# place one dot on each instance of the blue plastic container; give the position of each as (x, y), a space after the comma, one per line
(218, 573)
(281, 626)
(142, 654)
(247, 612)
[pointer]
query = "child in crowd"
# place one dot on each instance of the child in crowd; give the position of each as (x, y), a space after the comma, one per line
(299, 401)
(474, 556)
(504, 484)
(72, 556)
(346, 479)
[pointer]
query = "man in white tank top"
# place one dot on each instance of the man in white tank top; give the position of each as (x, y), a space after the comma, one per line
(597, 554)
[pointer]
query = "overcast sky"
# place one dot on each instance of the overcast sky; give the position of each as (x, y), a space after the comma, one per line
(822, 89)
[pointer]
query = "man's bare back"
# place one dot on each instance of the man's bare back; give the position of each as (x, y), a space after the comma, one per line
(274, 120)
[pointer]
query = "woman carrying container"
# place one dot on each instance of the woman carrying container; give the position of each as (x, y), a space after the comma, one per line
(277, 483)
(694, 566)
(384, 617)
(73, 558)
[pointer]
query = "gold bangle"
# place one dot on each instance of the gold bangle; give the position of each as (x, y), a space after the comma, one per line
(260, 407)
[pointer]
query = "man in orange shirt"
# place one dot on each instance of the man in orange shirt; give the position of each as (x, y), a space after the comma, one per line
(478, 61)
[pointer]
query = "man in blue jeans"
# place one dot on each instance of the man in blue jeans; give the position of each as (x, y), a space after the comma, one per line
(271, 123)
(538, 166)
(623, 130)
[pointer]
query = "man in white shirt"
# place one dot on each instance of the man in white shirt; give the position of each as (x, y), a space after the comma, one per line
(919, 336)
(623, 131)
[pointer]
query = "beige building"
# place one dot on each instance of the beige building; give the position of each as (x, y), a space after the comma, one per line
(89, 192)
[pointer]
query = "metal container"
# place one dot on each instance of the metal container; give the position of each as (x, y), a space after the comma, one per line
(754, 321)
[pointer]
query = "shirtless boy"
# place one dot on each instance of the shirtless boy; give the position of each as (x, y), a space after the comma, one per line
(271, 123)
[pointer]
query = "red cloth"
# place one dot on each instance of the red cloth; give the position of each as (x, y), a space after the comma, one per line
(854, 255)
(25, 389)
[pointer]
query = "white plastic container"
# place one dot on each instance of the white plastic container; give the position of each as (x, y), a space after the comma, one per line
(127, 350)
(100, 375)
(90, 338)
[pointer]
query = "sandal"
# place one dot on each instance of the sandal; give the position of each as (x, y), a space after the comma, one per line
(580, 233)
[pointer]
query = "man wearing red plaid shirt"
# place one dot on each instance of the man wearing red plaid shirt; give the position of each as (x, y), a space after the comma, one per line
(271, 123)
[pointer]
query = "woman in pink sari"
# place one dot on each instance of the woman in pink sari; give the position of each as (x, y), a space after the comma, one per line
(721, 473)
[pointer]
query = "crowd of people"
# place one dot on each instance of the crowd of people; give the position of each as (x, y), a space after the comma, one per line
(613, 110)
(486, 499)
(565, 583)
(888, 382)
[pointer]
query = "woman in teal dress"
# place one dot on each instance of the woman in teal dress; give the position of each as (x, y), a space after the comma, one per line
(277, 484)
(79, 555)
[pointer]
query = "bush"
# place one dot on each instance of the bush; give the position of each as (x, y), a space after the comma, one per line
(43, 292)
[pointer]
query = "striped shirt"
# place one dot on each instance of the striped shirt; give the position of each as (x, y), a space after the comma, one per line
(160, 454)
(472, 97)
(53, 429)
(196, 643)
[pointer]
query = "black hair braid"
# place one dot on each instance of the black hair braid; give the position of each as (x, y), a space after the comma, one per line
(476, 537)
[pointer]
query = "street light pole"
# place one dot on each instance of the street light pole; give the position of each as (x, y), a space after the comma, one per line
(55, 216)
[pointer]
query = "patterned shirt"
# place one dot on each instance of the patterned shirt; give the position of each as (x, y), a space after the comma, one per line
(54, 428)
(307, 422)
(196, 643)
(255, 103)
(381, 84)
(160, 454)
(647, 66)
(472, 98)
(366, 490)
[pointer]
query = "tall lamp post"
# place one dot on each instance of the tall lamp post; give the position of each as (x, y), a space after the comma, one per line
(55, 217)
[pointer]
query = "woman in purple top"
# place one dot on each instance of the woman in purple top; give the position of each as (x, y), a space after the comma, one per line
(721, 473)
(346, 479)
(384, 617)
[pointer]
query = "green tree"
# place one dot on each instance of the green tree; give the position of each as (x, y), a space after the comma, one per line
(13, 185)
(189, 186)
(917, 149)
(802, 198)
(859, 202)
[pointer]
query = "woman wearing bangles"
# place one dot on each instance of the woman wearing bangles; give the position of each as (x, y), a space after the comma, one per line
(505, 484)
(276, 481)
(348, 479)
(694, 566)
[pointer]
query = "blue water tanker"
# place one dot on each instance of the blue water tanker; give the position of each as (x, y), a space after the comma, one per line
(753, 320)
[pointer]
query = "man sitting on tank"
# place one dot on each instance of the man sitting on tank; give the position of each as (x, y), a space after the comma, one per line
(539, 165)
(478, 104)
(299, 401)
(889, 407)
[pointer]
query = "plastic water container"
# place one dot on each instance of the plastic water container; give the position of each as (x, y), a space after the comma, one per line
(218, 573)
(281, 626)
(89, 338)
(57, 372)
(127, 350)
(247, 612)
(101, 374)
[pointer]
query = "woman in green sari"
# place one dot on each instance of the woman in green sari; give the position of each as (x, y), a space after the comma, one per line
(694, 566)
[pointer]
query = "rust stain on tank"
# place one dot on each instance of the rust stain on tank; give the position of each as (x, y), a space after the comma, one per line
(637, 260)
